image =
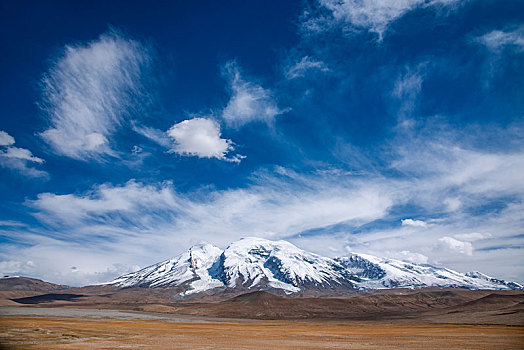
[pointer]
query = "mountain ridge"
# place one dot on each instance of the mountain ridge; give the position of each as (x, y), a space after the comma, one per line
(252, 264)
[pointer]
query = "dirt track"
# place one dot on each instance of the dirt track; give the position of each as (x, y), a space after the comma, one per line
(29, 332)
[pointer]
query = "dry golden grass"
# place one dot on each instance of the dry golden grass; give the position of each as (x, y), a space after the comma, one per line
(18, 332)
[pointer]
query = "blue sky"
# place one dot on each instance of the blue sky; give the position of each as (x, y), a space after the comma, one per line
(132, 130)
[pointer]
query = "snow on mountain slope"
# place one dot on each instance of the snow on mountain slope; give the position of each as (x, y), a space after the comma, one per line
(381, 273)
(260, 264)
(191, 269)
(509, 284)
(254, 262)
(251, 263)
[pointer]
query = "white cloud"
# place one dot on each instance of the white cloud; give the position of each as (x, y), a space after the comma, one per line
(64, 263)
(458, 174)
(18, 158)
(249, 101)
(497, 39)
(155, 135)
(408, 85)
(456, 245)
(139, 224)
(89, 93)
(416, 258)
(200, 137)
(274, 206)
(6, 139)
(406, 90)
(452, 204)
(473, 236)
(300, 68)
(11, 223)
(20, 153)
(22, 167)
(15, 267)
(104, 201)
(414, 223)
(373, 15)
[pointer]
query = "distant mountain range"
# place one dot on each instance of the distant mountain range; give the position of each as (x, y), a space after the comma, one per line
(253, 264)
(26, 284)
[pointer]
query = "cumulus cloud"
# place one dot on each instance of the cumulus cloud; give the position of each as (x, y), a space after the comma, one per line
(249, 101)
(19, 159)
(307, 63)
(497, 39)
(89, 92)
(6, 139)
(200, 137)
(375, 16)
(456, 245)
(414, 223)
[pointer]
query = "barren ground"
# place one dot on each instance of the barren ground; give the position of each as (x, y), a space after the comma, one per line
(29, 332)
(109, 318)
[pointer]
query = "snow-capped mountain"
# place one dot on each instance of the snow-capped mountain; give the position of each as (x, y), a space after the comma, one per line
(255, 262)
(193, 269)
(381, 273)
(250, 264)
(260, 264)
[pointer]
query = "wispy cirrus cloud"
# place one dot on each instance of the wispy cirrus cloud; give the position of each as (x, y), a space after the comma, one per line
(138, 223)
(273, 206)
(157, 136)
(414, 223)
(89, 92)
(407, 89)
(249, 101)
(473, 236)
(375, 16)
(497, 39)
(306, 63)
